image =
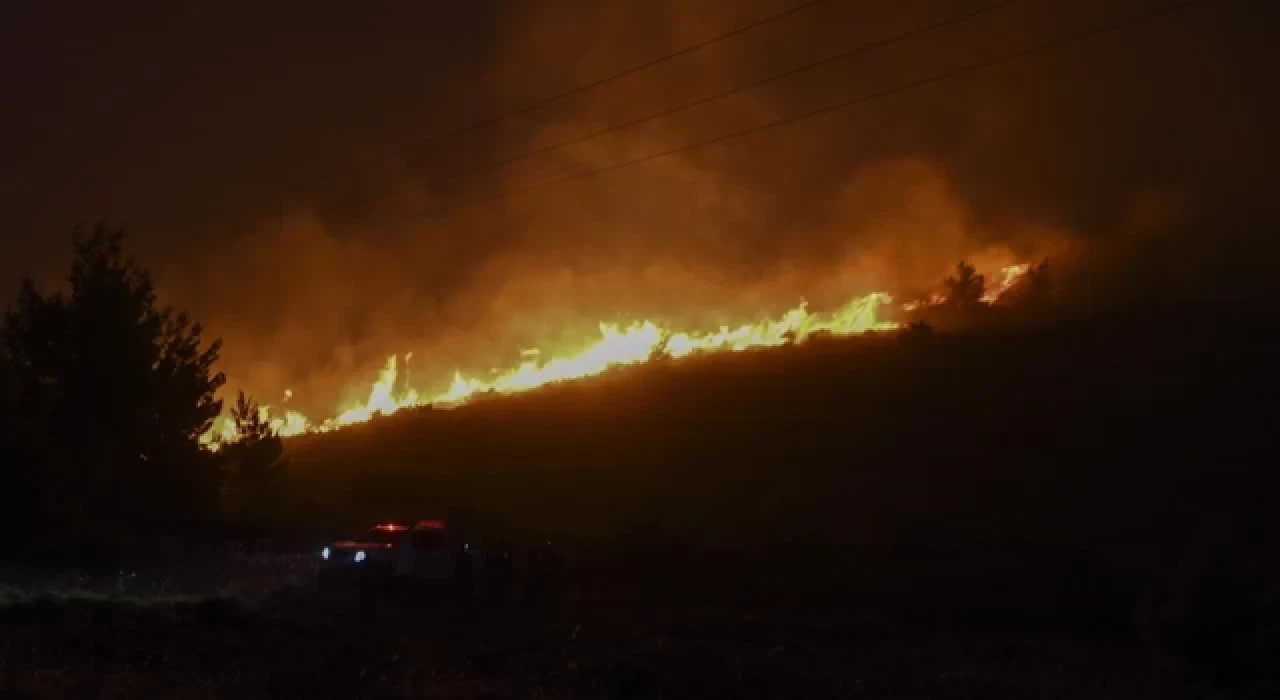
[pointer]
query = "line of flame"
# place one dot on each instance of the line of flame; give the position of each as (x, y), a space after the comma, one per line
(616, 346)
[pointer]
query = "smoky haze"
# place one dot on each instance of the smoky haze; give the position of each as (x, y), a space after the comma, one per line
(291, 174)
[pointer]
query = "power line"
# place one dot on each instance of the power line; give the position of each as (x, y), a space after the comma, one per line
(700, 101)
(1078, 37)
(632, 70)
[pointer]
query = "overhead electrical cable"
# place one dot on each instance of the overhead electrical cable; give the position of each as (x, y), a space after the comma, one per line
(1150, 14)
(630, 70)
(708, 99)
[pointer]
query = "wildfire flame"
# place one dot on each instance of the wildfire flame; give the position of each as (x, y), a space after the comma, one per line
(616, 346)
(1009, 276)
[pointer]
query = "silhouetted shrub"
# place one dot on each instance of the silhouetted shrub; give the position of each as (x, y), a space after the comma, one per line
(253, 468)
(964, 290)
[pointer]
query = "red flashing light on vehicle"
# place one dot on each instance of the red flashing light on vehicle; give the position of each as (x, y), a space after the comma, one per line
(431, 524)
(391, 527)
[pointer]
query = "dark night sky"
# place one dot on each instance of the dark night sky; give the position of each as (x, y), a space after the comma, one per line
(276, 166)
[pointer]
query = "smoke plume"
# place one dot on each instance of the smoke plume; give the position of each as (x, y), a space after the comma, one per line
(334, 216)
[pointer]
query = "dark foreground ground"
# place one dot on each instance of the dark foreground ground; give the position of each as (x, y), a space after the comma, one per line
(614, 632)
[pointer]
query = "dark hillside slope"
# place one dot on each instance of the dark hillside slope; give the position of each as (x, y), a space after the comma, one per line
(1116, 433)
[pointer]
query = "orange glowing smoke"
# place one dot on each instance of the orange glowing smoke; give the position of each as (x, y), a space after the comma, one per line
(616, 346)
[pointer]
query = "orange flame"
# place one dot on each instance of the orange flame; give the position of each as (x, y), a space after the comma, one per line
(1009, 276)
(617, 346)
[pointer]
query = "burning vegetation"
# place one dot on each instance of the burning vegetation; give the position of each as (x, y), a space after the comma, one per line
(621, 345)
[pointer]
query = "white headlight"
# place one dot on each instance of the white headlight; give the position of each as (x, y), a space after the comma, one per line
(359, 556)
(324, 554)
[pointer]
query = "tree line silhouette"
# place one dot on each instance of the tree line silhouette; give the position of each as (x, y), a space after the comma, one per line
(104, 395)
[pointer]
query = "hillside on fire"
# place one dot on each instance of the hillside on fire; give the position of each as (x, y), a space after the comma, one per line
(639, 349)
(946, 473)
(1085, 432)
